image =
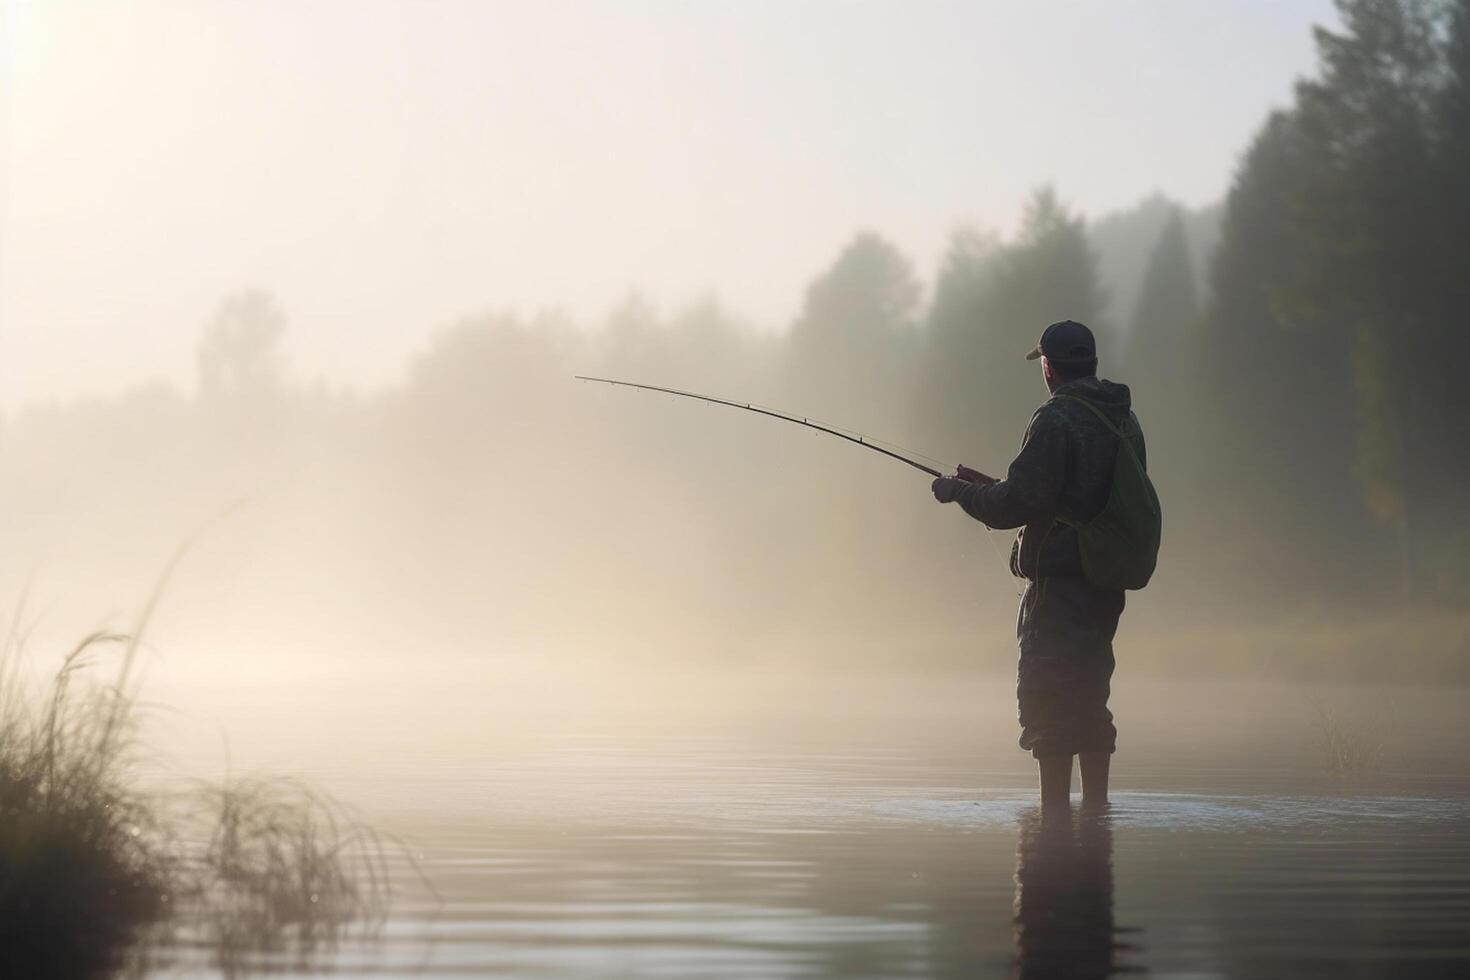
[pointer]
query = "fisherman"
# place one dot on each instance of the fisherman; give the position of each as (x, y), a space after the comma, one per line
(1061, 481)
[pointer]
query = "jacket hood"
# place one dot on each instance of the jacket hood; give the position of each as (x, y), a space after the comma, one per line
(1114, 399)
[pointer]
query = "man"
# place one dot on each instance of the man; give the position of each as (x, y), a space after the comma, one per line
(1065, 627)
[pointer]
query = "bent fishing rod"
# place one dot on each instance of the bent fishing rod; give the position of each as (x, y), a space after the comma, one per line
(855, 438)
(963, 472)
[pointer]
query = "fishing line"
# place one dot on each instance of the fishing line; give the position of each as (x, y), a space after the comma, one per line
(893, 450)
(1004, 559)
(878, 446)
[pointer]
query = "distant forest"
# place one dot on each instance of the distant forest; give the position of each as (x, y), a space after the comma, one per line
(1293, 354)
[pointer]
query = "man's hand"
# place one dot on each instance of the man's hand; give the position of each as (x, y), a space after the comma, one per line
(947, 488)
(973, 476)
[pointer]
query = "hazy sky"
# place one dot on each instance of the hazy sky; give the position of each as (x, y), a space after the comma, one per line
(384, 167)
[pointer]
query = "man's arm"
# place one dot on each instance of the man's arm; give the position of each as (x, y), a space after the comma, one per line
(1033, 483)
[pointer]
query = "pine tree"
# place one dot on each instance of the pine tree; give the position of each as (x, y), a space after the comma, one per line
(852, 349)
(1161, 365)
(1326, 302)
(1168, 303)
(990, 305)
(1450, 560)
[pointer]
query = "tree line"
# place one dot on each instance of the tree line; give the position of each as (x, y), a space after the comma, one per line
(1298, 385)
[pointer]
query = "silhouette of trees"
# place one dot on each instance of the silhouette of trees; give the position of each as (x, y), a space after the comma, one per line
(991, 302)
(1328, 303)
(1161, 361)
(1305, 413)
(1450, 253)
(851, 352)
(1125, 240)
(239, 356)
(1168, 302)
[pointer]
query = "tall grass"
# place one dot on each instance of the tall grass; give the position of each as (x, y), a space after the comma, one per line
(97, 874)
(82, 874)
(281, 873)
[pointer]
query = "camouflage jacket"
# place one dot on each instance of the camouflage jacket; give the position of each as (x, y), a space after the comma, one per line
(1065, 468)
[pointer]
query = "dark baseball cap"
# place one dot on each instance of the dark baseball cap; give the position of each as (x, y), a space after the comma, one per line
(1065, 342)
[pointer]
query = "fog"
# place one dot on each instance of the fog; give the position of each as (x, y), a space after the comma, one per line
(385, 170)
(301, 290)
(342, 628)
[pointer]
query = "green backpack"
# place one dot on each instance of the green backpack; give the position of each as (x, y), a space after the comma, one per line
(1120, 546)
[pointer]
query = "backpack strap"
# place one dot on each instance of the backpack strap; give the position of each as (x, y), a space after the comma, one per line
(1111, 428)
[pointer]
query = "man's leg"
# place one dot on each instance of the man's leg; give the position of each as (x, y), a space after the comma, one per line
(1056, 780)
(1077, 623)
(1094, 766)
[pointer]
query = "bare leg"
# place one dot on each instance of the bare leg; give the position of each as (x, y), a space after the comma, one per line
(1094, 766)
(1056, 781)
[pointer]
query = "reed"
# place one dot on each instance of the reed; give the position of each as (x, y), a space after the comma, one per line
(277, 873)
(99, 876)
(83, 877)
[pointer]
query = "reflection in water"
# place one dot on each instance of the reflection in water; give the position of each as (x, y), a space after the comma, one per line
(1064, 898)
(726, 864)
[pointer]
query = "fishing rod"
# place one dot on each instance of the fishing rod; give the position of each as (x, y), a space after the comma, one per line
(855, 438)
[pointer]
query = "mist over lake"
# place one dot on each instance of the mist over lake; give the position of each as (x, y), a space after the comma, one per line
(347, 630)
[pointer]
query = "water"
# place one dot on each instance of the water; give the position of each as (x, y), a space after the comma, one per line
(760, 853)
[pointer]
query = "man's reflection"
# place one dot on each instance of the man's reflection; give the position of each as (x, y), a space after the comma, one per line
(1064, 898)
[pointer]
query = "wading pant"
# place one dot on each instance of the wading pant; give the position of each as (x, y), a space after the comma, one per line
(1065, 630)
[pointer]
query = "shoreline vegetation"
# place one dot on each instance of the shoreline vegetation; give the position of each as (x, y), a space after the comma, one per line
(99, 876)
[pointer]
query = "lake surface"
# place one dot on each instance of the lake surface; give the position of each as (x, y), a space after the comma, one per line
(757, 850)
